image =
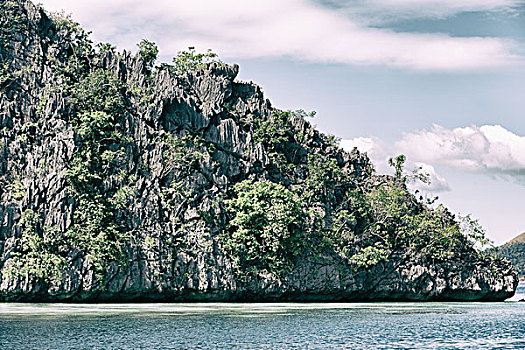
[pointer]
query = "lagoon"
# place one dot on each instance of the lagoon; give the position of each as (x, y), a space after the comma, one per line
(265, 325)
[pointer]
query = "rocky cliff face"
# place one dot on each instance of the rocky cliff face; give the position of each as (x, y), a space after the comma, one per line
(117, 181)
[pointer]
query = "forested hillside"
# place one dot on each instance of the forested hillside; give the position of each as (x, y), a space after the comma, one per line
(514, 251)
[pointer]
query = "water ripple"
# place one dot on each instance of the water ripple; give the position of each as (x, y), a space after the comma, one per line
(263, 326)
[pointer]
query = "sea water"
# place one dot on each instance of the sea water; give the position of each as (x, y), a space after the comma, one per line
(265, 325)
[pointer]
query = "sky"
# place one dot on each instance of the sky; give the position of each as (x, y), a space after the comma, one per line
(440, 81)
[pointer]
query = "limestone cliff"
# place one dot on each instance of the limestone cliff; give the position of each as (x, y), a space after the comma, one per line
(120, 180)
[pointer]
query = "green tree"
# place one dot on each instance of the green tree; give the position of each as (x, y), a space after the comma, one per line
(106, 47)
(42, 253)
(98, 91)
(473, 230)
(74, 62)
(398, 163)
(277, 134)
(187, 61)
(264, 232)
(149, 51)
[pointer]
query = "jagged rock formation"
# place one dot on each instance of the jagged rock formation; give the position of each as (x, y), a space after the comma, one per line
(118, 179)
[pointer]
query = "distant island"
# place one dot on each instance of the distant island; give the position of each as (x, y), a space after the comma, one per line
(514, 251)
(122, 179)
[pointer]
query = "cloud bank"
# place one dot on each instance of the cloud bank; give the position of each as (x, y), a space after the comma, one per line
(488, 149)
(491, 149)
(297, 29)
(379, 153)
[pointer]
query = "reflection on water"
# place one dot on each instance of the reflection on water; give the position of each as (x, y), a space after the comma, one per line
(264, 326)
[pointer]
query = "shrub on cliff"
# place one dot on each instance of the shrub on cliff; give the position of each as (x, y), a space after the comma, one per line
(264, 231)
(149, 51)
(191, 60)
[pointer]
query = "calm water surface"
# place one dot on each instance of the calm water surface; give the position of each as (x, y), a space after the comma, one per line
(265, 326)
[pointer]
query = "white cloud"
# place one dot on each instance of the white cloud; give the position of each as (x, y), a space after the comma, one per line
(435, 183)
(373, 147)
(363, 144)
(297, 29)
(379, 153)
(491, 149)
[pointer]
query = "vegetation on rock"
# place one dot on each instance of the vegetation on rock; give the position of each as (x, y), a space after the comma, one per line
(190, 60)
(40, 256)
(119, 174)
(264, 233)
